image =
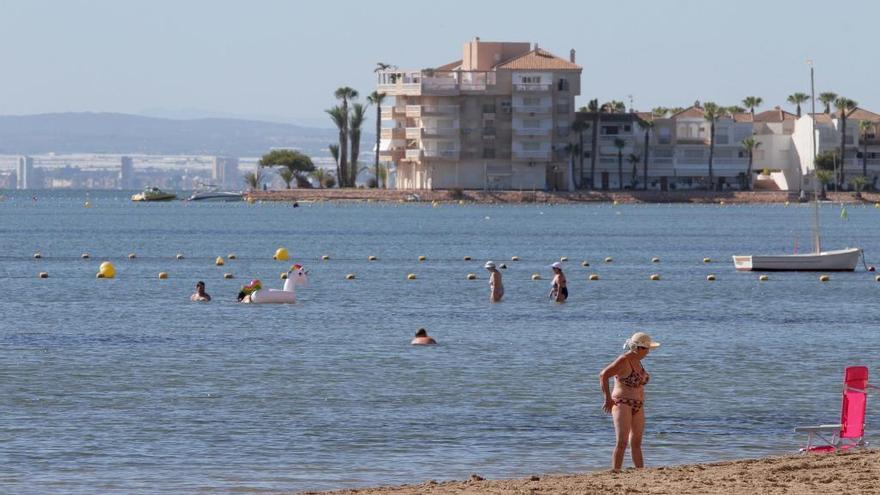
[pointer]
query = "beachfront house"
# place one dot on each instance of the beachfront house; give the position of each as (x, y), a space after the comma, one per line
(498, 118)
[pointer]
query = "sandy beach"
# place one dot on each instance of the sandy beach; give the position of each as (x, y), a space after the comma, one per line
(854, 472)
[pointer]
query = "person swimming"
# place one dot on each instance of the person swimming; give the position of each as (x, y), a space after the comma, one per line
(200, 294)
(422, 338)
(559, 287)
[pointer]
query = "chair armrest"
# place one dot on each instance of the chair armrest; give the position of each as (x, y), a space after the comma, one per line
(813, 429)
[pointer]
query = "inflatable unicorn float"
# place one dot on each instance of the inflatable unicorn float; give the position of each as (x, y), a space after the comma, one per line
(254, 293)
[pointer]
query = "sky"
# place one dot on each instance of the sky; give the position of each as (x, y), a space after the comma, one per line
(282, 60)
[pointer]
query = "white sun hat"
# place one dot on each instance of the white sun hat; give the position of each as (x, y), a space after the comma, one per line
(489, 264)
(556, 265)
(641, 339)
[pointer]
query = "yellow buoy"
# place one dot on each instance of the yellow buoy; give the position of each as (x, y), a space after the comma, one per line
(593, 276)
(44, 275)
(87, 204)
(250, 200)
(230, 256)
(536, 276)
(467, 258)
(461, 201)
(876, 205)
(563, 258)
(514, 258)
(615, 202)
(710, 277)
(350, 276)
(655, 260)
(163, 275)
(877, 278)
(38, 255)
(281, 254)
(609, 259)
(179, 256)
(98, 275)
(721, 203)
(471, 276)
(107, 270)
(85, 256)
(411, 276)
(283, 275)
(227, 275)
(132, 256)
(824, 278)
(219, 261)
(371, 258)
(585, 263)
(787, 203)
(764, 278)
(655, 276)
(325, 258)
(423, 258)
(707, 260)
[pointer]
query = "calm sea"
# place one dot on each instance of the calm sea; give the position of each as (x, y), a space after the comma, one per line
(125, 386)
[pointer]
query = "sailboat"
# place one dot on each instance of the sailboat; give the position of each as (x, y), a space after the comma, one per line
(819, 260)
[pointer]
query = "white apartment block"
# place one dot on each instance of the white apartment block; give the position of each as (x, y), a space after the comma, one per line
(499, 118)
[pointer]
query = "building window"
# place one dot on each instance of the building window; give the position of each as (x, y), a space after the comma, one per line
(627, 128)
(610, 130)
(563, 84)
(488, 152)
(530, 79)
(531, 101)
(531, 123)
(531, 146)
(488, 108)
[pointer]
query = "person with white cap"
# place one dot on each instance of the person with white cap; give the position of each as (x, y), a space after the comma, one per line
(559, 287)
(496, 288)
(626, 402)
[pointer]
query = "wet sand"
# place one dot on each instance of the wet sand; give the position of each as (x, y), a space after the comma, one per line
(848, 473)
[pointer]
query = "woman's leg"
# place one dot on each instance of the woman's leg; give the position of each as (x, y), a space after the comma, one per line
(637, 429)
(622, 415)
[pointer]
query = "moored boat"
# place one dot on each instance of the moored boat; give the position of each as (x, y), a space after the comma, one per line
(825, 261)
(216, 196)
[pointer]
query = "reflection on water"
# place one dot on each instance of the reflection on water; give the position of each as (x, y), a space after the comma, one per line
(124, 385)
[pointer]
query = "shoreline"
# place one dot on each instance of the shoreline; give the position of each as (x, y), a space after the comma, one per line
(851, 472)
(543, 197)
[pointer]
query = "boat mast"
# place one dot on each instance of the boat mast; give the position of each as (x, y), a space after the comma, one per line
(817, 242)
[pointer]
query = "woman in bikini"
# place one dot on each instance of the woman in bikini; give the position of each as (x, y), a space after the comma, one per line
(626, 402)
(559, 287)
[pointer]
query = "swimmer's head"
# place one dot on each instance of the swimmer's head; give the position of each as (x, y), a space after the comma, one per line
(421, 333)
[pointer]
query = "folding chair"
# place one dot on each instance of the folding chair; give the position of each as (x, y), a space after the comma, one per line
(850, 431)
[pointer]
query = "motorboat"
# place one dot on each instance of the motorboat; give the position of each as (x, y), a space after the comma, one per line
(216, 196)
(153, 194)
(824, 261)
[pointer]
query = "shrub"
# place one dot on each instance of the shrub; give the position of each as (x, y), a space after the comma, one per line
(455, 193)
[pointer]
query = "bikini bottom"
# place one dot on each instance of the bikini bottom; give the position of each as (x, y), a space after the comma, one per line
(634, 404)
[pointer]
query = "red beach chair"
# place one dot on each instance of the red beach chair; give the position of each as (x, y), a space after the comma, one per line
(850, 431)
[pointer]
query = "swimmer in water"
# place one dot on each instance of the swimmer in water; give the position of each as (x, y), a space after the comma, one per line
(559, 287)
(496, 288)
(200, 294)
(422, 338)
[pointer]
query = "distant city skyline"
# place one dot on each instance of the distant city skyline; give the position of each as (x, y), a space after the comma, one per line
(281, 61)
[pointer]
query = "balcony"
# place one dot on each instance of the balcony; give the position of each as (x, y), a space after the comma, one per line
(413, 154)
(394, 155)
(413, 133)
(692, 140)
(440, 132)
(441, 154)
(531, 154)
(394, 133)
(392, 113)
(532, 109)
(532, 87)
(531, 131)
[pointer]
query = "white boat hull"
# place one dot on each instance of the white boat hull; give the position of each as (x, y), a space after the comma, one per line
(216, 196)
(826, 261)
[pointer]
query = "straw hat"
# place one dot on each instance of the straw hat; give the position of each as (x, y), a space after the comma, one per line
(641, 339)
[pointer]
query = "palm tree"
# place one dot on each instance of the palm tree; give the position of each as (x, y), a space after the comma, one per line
(579, 126)
(334, 152)
(356, 120)
(859, 183)
(619, 144)
(254, 179)
(634, 160)
(712, 112)
(735, 109)
(675, 110)
(750, 144)
(844, 106)
(824, 177)
(751, 102)
(659, 112)
(614, 106)
(340, 118)
(320, 175)
(286, 175)
(796, 99)
(595, 109)
(376, 98)
(647, 126)
(865, 127)
(346, 94)
(827, 98)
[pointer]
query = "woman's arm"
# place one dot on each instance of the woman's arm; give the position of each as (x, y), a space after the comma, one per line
(609, 371)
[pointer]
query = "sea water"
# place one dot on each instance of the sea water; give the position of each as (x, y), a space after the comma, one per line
(124, 385)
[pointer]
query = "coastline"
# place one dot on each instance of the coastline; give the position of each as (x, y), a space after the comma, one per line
(851, 472)
(543, 197)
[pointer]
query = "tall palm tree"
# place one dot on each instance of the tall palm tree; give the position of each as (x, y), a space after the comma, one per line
(614, 106)
(355, 121)
(646, 126)
(340, 118)
(320, 175)
(827, 98)
(346, 94)
(865, 127)
(254, 179)
(287, 175)
(750, 144)
(735, 109)
(376, 98)
(619, 144)
(634, 160)
(712, 112)
(334, 152)
(844, 106)
(579, 126)
(796, 99)
(596, 110)
(751, 102)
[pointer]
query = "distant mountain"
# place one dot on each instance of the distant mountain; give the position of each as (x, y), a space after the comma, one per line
(124, 133)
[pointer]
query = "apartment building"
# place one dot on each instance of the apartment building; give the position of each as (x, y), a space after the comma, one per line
(498, 118)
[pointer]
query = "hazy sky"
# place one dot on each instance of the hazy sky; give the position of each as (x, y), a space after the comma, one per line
(283, 59)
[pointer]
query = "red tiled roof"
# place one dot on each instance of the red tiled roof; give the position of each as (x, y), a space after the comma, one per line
(775, 115)
(450, 65)
(538, 59)
(692, 112)
(821, 118)
(862, 114)
(743, 117)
